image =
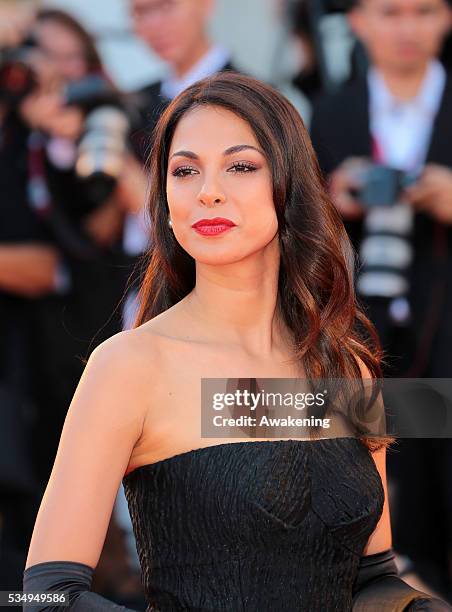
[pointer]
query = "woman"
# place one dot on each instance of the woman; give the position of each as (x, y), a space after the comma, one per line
(281, 524)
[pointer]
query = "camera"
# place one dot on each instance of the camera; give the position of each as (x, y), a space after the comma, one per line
(382, 185)
(386, 251)
(103, 145)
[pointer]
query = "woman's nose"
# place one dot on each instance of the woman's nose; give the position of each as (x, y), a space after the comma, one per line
(211, 195)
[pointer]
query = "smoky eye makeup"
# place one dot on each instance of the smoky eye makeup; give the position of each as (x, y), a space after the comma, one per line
(244, 166)
(237, 167)
(180, 171)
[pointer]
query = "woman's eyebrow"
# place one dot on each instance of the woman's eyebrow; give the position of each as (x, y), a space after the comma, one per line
(229, 151)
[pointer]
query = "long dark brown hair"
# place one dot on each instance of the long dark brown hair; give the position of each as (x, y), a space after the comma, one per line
(316, 293)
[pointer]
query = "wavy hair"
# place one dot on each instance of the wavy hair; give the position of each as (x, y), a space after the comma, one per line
(316, 292)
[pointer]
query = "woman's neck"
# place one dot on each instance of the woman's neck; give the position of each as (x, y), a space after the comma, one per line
(238, 303)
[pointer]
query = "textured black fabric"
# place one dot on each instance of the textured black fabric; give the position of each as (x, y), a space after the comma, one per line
(255, 525)
(70, 576)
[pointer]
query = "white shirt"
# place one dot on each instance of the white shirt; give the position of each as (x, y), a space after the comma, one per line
(403, 128)
(211, 62)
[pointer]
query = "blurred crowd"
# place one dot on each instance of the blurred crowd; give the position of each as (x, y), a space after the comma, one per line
(73, 183)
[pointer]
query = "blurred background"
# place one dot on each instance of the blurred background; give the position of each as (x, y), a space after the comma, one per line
(82, 84)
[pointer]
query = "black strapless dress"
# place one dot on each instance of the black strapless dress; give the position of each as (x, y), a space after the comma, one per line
(261, 526)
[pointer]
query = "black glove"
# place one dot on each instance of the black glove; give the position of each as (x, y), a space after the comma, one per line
(68, 576)
(378, 588)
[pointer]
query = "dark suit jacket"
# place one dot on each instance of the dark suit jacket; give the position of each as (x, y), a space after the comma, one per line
(340, 129)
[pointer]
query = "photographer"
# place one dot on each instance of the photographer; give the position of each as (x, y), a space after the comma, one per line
(62, 268)
(384, 141)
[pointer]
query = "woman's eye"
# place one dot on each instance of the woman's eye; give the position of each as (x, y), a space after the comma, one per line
(241, 167)
(183, 171)
(244, 167)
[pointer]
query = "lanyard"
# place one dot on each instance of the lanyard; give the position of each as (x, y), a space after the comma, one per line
(38, 192)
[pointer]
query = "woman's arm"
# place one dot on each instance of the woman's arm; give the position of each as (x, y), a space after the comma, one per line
(103, 424)
(381, 538)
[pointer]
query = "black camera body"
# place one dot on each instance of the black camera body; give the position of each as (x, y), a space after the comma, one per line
(103, 145)
(386, 251)
(382, 185)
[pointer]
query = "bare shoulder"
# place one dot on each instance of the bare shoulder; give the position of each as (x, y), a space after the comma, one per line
(136, 354)
(134, 359)
(120, 372)
(139, 348)
(130, 349)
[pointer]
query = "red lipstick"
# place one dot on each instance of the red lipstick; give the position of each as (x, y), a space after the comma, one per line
(212, 227)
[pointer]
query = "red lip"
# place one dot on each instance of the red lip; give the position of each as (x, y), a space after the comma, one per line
(214, 221)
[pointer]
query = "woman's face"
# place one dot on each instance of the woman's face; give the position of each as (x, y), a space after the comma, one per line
(62, 49)
(216, 168)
